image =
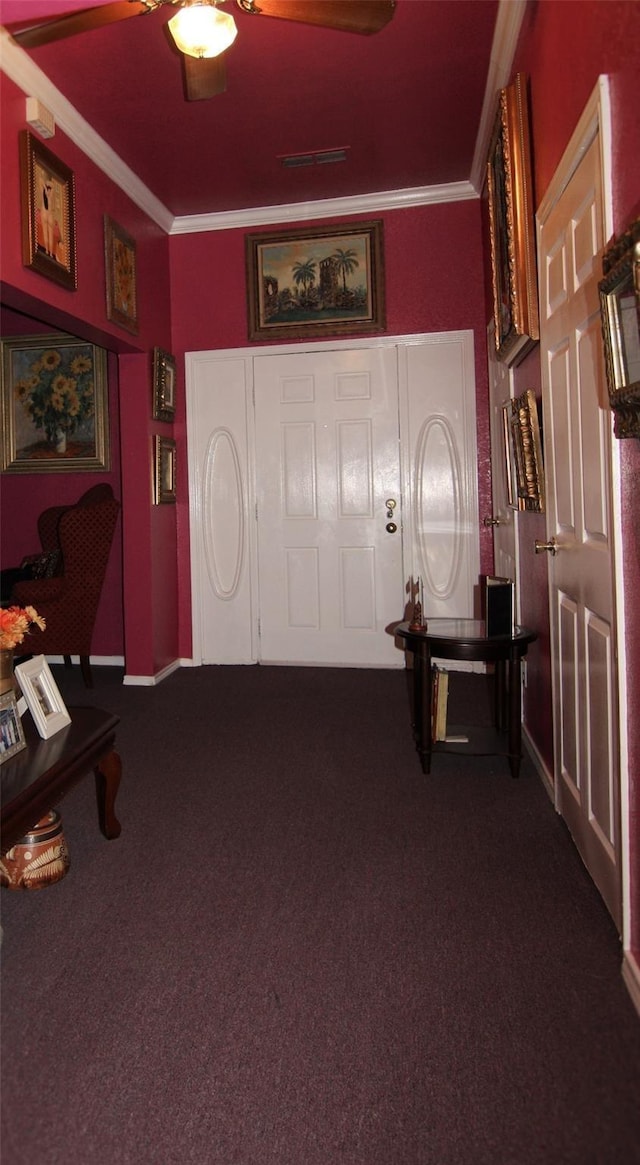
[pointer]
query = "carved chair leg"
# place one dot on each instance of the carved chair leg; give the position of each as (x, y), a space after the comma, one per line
(67, 660)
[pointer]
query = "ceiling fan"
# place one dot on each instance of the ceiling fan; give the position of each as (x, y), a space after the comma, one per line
(204, 67)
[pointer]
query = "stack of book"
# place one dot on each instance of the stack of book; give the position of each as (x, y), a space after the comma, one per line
(440, 697)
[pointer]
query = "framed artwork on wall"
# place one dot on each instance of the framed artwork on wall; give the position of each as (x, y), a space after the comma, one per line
(620, 313)
(48, 198)
(526, 446)
(121, 276)
(325, 281)
(164, 386)
(54, 405)
(511, 227)
(164, 475)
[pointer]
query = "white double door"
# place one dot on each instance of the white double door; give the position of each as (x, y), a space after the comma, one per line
(321, 481)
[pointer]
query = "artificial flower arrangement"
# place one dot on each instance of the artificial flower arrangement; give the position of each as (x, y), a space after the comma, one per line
(15, 623)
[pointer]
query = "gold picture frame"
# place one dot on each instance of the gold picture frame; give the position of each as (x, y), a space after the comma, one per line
(527, 453)
(164, 385)
(55, 405)
(511, 227)
(509, 455)
(164, 477)
(121, 276)
(48, 196)
(620, 315)
(323, 281)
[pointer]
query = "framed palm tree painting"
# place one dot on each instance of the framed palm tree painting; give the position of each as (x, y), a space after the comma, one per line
(325, 281)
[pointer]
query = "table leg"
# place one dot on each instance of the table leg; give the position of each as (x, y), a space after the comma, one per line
(108, 772)
(515, 717)
(500, 711)
(423, 692)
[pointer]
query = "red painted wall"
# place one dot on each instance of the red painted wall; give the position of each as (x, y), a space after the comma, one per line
(149, 538)
(563, 49)
(428, 289)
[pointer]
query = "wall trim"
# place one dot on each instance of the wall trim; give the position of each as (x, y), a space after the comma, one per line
(151, 681)
(536, 758)
(631, 977)
(20, 68)
(503, 49)
(324, 208)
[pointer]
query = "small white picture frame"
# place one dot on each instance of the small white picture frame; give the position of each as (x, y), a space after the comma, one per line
(42, 696)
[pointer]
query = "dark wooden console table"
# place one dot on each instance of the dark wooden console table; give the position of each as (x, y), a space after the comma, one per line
(467, 640)
(36, 779)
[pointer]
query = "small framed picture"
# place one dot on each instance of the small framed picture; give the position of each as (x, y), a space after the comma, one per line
(164, 478)
(120, 269)
(11, 730)
(164, 386)
(48, 213)
(42, 696)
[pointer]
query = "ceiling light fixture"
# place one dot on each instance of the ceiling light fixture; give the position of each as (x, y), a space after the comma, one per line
(200, 29)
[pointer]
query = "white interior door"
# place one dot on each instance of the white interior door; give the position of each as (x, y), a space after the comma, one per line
(328, 507)
(577, 432)
(502, 517)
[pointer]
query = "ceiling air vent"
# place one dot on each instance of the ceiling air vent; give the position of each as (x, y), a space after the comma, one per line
(317, 158)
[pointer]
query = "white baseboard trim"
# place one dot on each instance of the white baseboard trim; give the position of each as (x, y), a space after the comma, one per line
(631, 977)
(151, 681)
(536, 757)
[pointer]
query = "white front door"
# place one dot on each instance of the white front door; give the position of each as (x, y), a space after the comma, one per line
(578, 451)
(503, 516)
(328, 507)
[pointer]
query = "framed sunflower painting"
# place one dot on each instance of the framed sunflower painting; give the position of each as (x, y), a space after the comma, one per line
(120, 268)
(54, 405)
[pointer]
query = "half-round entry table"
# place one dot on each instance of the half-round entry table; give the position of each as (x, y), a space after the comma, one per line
(467, 640)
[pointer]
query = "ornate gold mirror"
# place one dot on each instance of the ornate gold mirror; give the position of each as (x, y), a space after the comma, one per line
(620, 310)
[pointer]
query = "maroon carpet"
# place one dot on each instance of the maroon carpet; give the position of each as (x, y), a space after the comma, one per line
(302, 951)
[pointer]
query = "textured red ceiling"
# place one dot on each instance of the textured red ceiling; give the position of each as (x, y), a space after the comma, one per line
(406, 102)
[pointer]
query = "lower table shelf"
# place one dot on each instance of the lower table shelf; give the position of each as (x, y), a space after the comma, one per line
(481, 740)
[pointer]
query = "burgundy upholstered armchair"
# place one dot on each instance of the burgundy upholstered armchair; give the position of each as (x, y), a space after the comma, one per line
(83, 534)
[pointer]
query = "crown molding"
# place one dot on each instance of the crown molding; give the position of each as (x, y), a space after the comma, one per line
(323, 208)
(503, 49)
(19, 67)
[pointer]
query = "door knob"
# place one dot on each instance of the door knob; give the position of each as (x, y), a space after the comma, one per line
(551, 546)
(489, 521)
(391, 527)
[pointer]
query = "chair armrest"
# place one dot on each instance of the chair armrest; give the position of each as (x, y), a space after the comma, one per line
(37, 590)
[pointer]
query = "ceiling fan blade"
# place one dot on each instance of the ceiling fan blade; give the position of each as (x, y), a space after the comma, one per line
(31, 33)
(363, 16)
(204, 77)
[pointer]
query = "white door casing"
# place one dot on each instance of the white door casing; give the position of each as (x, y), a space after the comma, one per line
(578, 460)
(503, 516)
(438, 470)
